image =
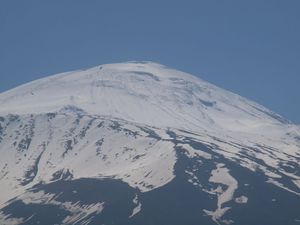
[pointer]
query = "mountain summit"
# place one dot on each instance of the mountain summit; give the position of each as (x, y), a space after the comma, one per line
(141, 143)
(147, 93)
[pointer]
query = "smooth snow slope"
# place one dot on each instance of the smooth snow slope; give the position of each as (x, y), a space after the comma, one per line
(147, 93)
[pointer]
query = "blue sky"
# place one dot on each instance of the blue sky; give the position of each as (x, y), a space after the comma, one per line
(249, 47)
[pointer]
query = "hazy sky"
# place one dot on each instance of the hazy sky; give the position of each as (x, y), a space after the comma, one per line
(251, 47)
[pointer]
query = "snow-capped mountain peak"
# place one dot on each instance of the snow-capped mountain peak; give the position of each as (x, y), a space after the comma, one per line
(144, 92)
(136, 134)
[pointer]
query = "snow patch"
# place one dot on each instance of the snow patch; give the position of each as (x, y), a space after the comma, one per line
(241, 200)
(221, 175)
(138, 207)
(79, 212)
(191, 152)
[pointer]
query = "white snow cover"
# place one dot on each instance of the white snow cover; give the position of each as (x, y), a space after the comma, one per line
(83, 147)
(241, 200)
(221, 175)
(78, 212)
(138, 207)
(147, 95)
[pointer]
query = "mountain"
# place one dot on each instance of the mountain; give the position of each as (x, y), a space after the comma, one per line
(139, 143)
